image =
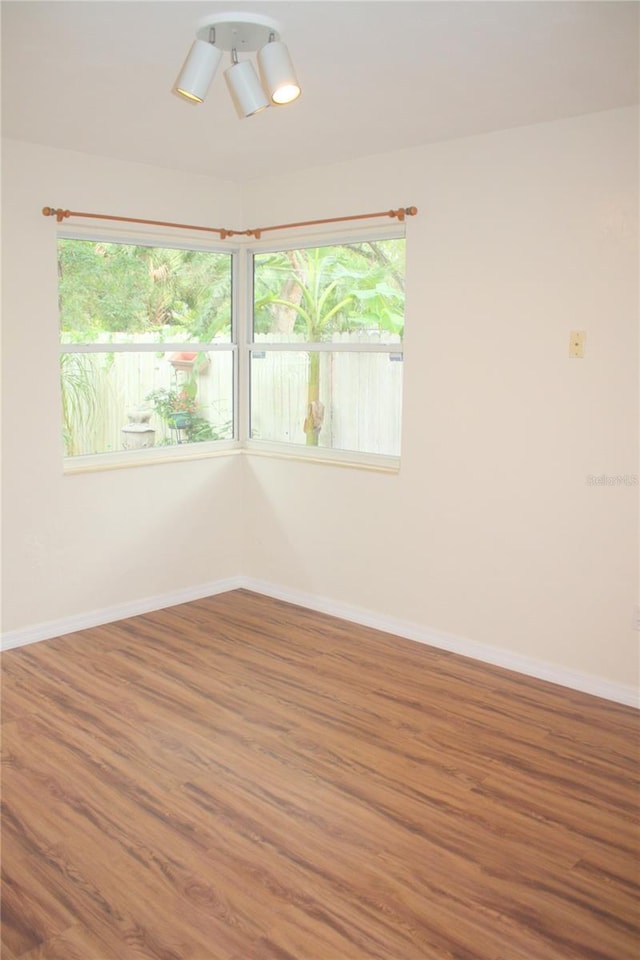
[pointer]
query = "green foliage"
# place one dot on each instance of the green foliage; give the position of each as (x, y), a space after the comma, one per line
(199, 429)
(84, 392)
(98, 285)
(109, 290)
(337, 289)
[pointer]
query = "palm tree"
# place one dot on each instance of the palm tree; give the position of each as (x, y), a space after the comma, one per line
(317, 307)
(327, 290)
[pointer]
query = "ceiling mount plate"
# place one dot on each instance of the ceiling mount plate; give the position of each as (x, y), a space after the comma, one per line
(239, 31)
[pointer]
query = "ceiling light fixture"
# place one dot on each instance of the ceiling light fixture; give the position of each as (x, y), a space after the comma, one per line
(239, 33)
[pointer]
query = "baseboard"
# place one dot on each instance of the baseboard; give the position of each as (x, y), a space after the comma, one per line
(95, 618)
(541, 670)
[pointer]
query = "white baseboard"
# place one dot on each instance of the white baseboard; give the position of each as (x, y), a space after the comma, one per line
(499, 657)
(95, 618)
(542, 670)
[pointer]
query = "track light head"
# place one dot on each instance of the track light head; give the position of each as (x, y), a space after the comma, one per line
(246, 92)
(277, 73)
(198, 71)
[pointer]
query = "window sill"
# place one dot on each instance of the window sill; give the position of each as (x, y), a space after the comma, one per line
(335, 458)
(124, 460)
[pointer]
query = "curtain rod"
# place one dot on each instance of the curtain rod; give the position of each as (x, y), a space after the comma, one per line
(61, 215)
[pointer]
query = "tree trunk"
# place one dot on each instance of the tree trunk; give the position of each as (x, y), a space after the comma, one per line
(283, 318)
(315, 410)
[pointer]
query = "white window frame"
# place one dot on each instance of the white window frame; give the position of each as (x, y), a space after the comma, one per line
(240, 345)
(381, 462)
(186, 451)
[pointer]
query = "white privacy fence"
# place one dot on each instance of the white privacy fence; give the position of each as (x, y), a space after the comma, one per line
(361, 393)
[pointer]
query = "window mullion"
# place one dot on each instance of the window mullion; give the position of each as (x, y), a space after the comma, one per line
(325, 346)
(244, 306)
(160, 347)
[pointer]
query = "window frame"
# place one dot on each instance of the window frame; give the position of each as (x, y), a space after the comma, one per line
(242, 252)
(160, 238)
(298, 451)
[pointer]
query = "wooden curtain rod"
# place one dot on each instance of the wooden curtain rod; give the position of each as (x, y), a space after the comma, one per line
(61, 215)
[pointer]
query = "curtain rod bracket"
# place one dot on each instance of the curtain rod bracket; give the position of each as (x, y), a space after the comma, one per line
(60, 215)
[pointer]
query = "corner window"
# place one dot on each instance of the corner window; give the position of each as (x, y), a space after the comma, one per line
(151, 366)
(147, 357)
(326, 347)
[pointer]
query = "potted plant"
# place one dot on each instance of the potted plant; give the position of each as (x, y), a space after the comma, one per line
(180, 411)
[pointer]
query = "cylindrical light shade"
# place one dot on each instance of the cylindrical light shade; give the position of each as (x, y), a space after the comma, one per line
(247, 94)
(277, 73)
(198, 71)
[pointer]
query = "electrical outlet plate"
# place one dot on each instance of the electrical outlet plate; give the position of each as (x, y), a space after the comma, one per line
(577, 340)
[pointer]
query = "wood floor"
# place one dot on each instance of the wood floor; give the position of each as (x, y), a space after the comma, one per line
(241, 779)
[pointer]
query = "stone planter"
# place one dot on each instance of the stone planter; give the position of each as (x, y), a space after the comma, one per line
(138, 433)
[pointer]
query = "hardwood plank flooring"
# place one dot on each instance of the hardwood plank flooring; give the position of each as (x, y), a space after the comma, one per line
(242, 779)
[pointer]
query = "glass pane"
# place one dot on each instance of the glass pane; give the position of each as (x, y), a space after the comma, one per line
(344, 401)
(329, 293)
(128, 401)
(122, 293)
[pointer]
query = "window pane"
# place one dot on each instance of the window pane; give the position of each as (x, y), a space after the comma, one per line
(122, 293)
(343, 401)
(321, 293)
(119, 401)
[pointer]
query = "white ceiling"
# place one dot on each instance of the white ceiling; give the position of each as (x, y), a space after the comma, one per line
(377, 76)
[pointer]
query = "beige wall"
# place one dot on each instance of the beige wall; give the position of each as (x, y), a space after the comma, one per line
(490, 530)
(75, 544)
